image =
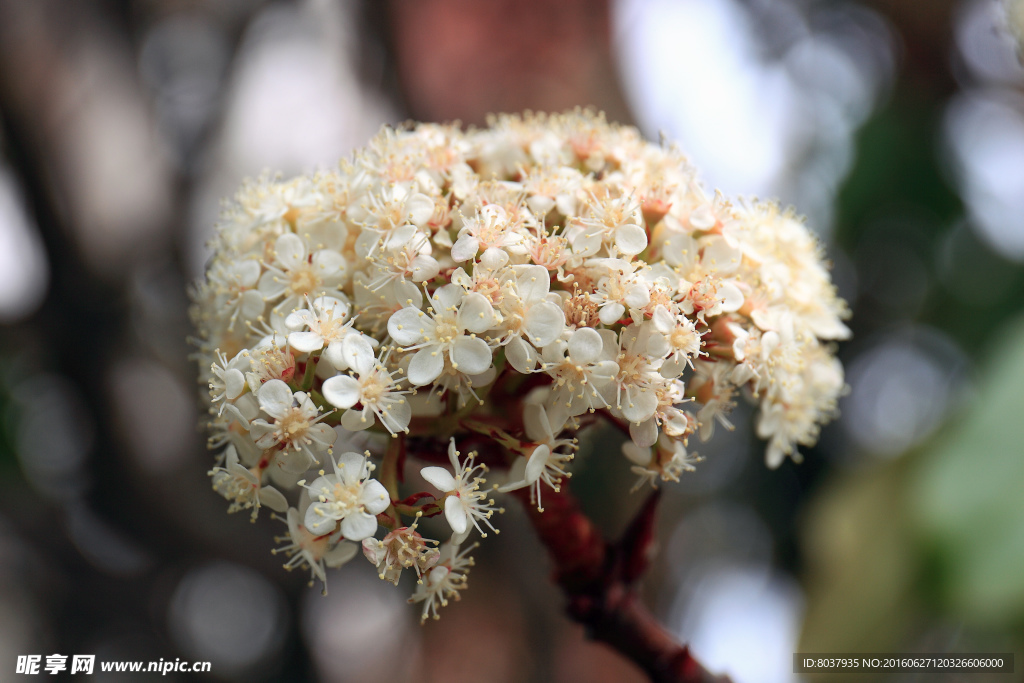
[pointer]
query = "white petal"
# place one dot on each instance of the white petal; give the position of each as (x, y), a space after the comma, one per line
(351, 468)
(681, 250)
(375, 497)
(664, 321)
(732, 297)
(341, 391)
(251, 304)
(328, 263)
(420, 208)
(275, 397)
(340, 555)
(290, 251)
(465, 248)
(721, 256)
(273, 499)
(455, 514)
(234, 383)
(644, 435)
(407, 294)
(703, 217)
(439, 478)
(476, 313)
(358, 353)
(357, 420)
(305, 342)
(448, 297)
(544, 323)
(493, 258)
(294, 462)
(585, 345)
(335, 355)
(639, 405)
(630, 239)
(611, 313)
(316, 523)
(409, 325)
(638, 454)
(538, 461)
(638, 296)
(469, 355)
(322, 434)
(603, 372)
(533, 284)
(521, 356)
(397, 418)
(426, 365)
(425, 268)
(358, 525)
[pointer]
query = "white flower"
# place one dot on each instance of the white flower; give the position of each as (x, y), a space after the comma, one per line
(234, 283)
(448, 329)
(530, 317)
(348, 496)
(295, 274)
(444, 581)
(669, 461)
(683, 340)
(401, 549)
(619, 287)
(226, 379)
(491, 228)
(296, 428)
(375, 391)
(464, 503)
(638, 379)
(578, 371)
(545, 464)
(315, 551)
(242, 487)
(328, 323)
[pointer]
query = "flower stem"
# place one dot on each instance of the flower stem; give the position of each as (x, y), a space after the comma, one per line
(596, 578)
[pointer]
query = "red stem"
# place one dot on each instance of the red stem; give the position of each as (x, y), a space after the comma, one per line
(596, 577)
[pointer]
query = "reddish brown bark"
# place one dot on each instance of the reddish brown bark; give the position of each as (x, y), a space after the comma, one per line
(596, 578)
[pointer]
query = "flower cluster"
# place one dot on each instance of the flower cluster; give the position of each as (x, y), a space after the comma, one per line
(503, 288)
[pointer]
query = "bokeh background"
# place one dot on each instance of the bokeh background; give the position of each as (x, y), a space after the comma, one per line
(896, 126)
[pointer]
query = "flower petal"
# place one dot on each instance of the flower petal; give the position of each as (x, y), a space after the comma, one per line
(611, 313)
(409, 325)
(375, 497)
(644, 435)
(338, 556)
(273, 499)
(537, 462)
(465, 248)
(544, 323)
(455, 513)
(358, 525)
(358, 352)
(585, 345)
(290, 251)
(357, 420)
(341, 391)
(630, 239)
(426, 365)
(521, 356)
(470, 355)
(275, 397)
(533, 284)
(476, 313)
(305, 342)
(318, 520)
(439, 478)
